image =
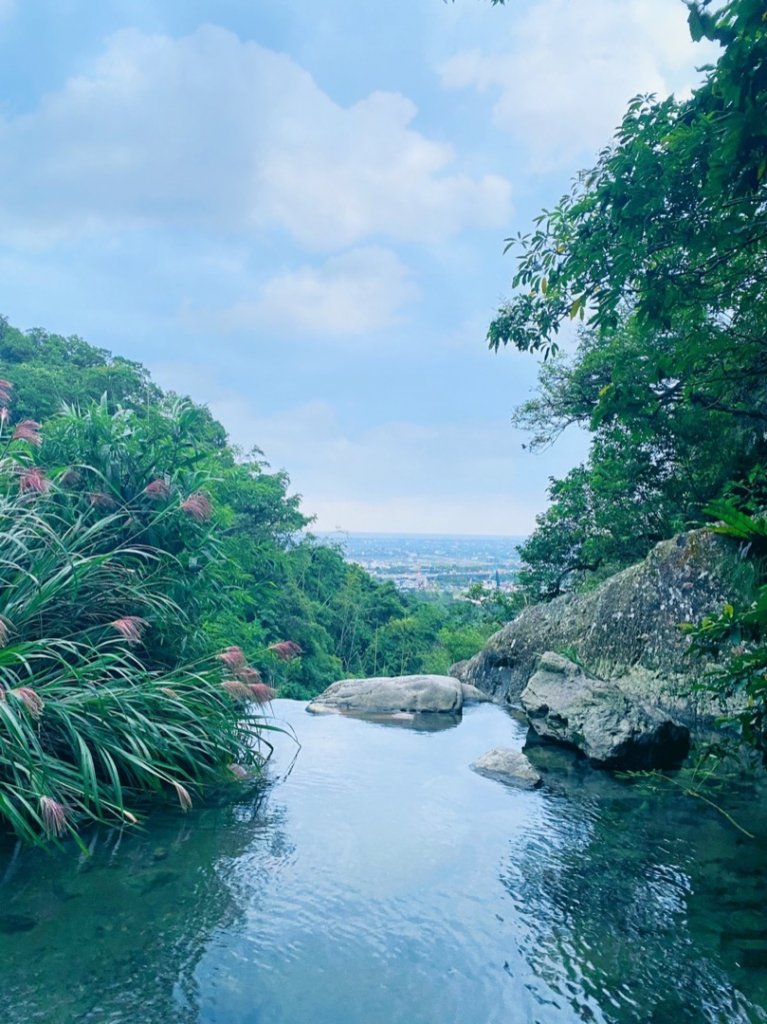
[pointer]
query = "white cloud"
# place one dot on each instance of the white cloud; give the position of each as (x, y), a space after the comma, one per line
(355, 293)
(425, 515)
(399, 475)
(377, 460)
(210, 132)
(563, 85)
(396, 475)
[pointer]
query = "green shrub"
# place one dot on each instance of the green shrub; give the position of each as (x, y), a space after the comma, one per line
(98, 711)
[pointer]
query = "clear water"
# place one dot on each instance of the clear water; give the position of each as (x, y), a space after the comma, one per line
(383, 882)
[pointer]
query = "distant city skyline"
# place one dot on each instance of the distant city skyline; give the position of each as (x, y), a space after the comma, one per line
(443, 563)
(297, 217)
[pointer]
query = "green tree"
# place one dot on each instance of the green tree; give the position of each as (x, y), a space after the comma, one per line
(669, 224)
(48, 369)
(660, 253)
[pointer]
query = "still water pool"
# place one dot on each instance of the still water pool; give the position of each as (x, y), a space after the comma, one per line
(383, 882)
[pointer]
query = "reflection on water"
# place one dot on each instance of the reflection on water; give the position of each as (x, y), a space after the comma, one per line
(435, 722)
(116, 936)
(618, 922)
(383, 881)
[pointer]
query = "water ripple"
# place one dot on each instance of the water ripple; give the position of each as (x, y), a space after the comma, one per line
(382, 882)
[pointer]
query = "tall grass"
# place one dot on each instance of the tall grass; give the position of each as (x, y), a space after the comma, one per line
(95, 715)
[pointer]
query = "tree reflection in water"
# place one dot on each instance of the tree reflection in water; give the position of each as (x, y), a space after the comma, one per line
(116, 937)
(621, 930)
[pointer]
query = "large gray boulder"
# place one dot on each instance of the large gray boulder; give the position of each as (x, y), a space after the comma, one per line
(508, 766)
(566, 705)
(627, 628)
(392, 695)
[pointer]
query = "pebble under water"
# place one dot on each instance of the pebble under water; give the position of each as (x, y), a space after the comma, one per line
(380, 881)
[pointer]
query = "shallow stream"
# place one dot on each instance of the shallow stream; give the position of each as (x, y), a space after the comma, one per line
(383, 882)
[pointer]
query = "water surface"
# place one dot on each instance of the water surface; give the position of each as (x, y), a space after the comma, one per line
(383, 882)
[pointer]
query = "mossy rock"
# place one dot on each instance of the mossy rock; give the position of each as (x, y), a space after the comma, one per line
(628, 628)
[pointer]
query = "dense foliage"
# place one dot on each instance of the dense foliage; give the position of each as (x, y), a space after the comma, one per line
(659, 253)
(136, 545)
(102, 700)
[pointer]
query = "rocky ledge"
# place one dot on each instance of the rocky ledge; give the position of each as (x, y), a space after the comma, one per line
(627, 628)
(566, 705)
(624, 694)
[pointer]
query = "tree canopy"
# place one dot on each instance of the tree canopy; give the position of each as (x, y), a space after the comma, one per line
(670, 224)
(658, 256)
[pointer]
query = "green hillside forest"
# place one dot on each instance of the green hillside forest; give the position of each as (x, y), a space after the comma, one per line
(159, 587)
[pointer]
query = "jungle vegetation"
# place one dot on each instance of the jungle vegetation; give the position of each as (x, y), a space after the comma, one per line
(644, 289)
(158, 588)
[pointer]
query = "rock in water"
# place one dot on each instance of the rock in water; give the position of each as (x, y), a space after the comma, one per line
(392, 695)
(471, 695)
(509, 766)
(568, 706)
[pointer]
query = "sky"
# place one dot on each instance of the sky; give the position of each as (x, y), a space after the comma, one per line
(295, 213)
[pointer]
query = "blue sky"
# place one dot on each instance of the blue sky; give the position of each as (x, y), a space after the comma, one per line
(295, 213)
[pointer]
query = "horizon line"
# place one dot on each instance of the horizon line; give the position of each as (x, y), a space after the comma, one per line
(415, 533)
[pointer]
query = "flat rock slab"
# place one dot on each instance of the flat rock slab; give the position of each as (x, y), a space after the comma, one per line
(392, 695)
(508, 766)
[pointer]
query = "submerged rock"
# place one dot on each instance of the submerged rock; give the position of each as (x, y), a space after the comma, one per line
(413, 721)
(392, 695)
(509, 766)
(471, 695)
(613, 730)
(12, 924)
